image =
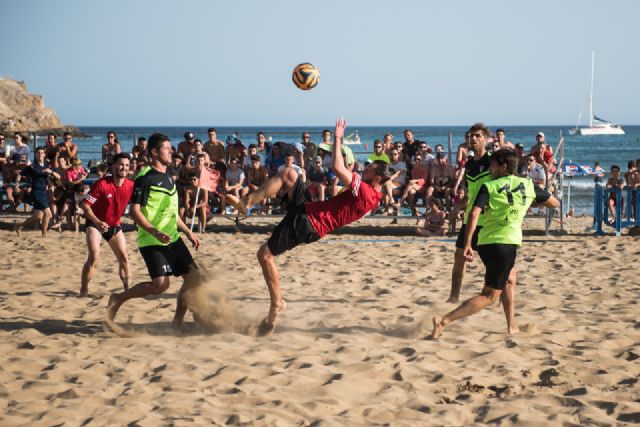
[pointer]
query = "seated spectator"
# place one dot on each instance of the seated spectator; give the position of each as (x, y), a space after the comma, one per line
(459, 206)
(235, 148)
(214, 147)
(235, 179)
(248, 159)
(256, 176)
(434, 224)
(417, 186)
(395, 186)
(192, 207)
(523, 167)
(289, 163)
(317, 180)
(442, 179)
(139, 152)
(378, 152)
(615, 181)
(536, 171)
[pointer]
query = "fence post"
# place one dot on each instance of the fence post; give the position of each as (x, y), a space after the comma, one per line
(598, 209)
(618, 221)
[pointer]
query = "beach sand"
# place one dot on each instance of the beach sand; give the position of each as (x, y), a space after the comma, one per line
(349, 350)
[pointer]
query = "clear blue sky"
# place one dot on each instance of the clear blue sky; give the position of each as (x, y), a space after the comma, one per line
(133, 62)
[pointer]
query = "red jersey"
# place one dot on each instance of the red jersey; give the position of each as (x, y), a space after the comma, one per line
(108, 202)
(346, 207)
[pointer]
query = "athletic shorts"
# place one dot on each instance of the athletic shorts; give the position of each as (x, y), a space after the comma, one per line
(295, 228)
(171, 260)
(499, 259)
(107, 235)
(40, 200)
(474, 239)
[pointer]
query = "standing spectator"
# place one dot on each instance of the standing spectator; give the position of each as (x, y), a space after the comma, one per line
(615, 182)
(111, 148)
(264, 149)
(500, 137)
(38, 171)
(310, 149)
(410, 147)
(51, 147)
(139, 152)
(387, 142)
(214, 147)
(522, 161)
(256, 176)
(632, 177)
(378, 153)
(186, 147)
(199, 209)
(67, 149)
(442, 178)
(275, 159)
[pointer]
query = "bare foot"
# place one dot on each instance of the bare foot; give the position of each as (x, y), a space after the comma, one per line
(453, 299)
(83, 293)
(268, 324)
(18, 229)
(236, 203)
(513, 329)
(437, 327)
(112, 307)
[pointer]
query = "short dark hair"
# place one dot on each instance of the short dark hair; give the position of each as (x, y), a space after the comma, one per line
(52, 134)
(212, 130)
(260, 133)
(121, 156)
(156, 140)
(252, 146)
(506, 156)
(499, 130)
(326, 131)
(631, 163)
(615, 167)
(66, 134)
(381, 169)
(377, 141)
(480, 127)
(41, 148)
(142, 138)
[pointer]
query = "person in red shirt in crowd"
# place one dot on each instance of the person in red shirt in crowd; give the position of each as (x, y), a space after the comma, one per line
(103, 207)
(306, 222)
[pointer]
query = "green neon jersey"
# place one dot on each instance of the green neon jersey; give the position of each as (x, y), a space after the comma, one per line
(476, 173)
(505, 201)
(157, 196)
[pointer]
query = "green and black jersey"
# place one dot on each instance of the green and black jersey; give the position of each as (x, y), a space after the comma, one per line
(157, 196)
(476, 173)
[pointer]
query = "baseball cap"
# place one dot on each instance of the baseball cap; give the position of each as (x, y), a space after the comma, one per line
(189, 135)
(540, 134)
(520, 146)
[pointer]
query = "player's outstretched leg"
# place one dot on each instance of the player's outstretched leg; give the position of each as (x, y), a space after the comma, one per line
(467, 308)
(272, 278)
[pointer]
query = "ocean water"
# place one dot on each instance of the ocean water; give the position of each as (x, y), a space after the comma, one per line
(608, 150)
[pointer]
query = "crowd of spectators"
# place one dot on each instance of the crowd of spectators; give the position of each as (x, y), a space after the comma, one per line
(423, 181)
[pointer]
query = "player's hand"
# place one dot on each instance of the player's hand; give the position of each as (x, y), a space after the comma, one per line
(468, 253)
(194, 240)
(164, 238)
(102, 226)
(341, 125)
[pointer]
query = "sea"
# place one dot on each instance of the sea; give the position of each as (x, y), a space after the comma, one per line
(586, 150)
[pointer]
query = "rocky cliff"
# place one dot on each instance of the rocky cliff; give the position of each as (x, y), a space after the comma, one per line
(22, 111)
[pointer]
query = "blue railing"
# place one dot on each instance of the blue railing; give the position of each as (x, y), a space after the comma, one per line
(601, 216)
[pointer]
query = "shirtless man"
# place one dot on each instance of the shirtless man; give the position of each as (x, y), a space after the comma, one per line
(214, 147)
(505, 200)
(442, 177)
(154, 208)
(66, 149)
(308, 222)
(103, 207)
(501, 139)
(615, 182)
(191, 208)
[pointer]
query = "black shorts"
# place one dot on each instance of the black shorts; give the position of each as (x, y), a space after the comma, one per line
(295, 228)
(474, 239)
(40, 200)
(499, 259)
(171, 260)
(107, 235)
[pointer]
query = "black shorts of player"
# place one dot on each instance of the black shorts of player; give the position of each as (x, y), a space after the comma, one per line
(107, 235)
(499, 259)
(40, 200)
(474, 239)
(295, 228)
(171, 260)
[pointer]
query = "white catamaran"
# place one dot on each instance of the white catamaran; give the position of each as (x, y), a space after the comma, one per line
(597, 126)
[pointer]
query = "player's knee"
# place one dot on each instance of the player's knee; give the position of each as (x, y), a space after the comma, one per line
(264, 255)
(159, 285)
(93, 257)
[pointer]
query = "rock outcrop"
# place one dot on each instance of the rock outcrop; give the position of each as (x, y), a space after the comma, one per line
(22, 111)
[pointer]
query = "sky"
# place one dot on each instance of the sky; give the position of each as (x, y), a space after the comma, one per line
(419, 63)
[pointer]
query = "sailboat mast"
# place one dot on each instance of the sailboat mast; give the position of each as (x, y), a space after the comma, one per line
(593, 61)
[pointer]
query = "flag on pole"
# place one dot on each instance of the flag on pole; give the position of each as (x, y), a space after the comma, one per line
(209, 179)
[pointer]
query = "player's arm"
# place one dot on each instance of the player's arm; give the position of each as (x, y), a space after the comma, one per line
(73, 151)
(85, 205)
(192, 237)
(459, 180)
(481, 200)
(339, 168)
(545, 198)
(143, 223)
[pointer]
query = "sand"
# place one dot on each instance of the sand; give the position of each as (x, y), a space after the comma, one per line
(349, 350)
